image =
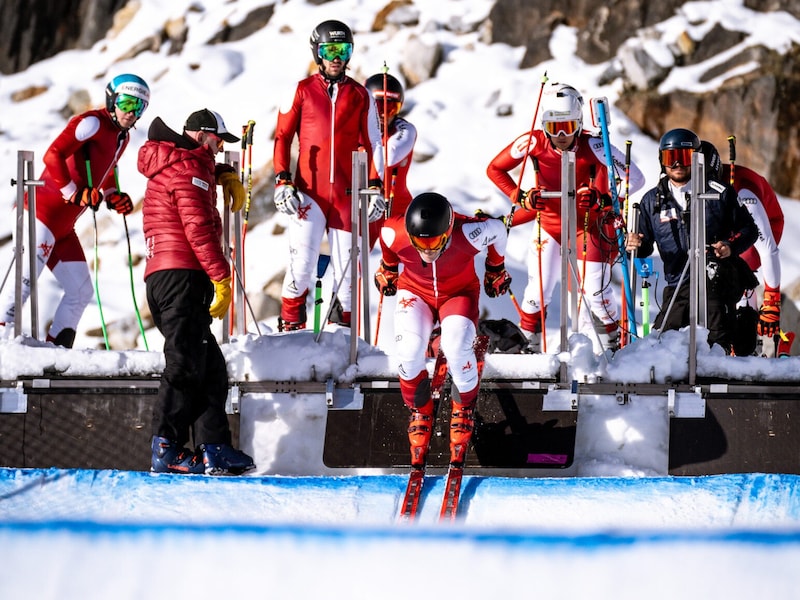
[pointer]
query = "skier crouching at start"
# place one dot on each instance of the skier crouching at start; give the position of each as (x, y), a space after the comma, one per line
(438, 282)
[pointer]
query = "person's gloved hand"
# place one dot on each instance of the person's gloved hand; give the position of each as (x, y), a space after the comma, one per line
(531, 199)
(120, 202)
(377, 205)
(86, 196)
(222, 298)
(586, 197)
(233, 193)
(496, 280)
(769, 315)
(386, 279)
(287, 199)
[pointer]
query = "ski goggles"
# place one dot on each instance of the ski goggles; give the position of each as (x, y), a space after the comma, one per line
(429, 244)
(674, 157)
(388, 107)
(128, 104)
(330, 52)
(556, 128)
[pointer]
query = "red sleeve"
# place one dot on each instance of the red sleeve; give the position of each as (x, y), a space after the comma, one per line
(285, 131)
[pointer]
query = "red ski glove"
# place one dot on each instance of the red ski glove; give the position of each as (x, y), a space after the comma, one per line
(386, 279)
(120, 202)
(769, 315)
(87, 196)
(496, 280)
(531, 200)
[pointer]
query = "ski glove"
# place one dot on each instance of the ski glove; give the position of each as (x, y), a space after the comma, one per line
(496, 280)
(222, 298)
(769, 315)
(233, 193)
(120, 202)
(86, 196)
(588, 198)
(531, 200)
(287, 199)
(377, 205)
(386, 279)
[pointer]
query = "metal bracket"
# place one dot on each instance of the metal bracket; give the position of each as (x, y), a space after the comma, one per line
(686, 405)
(232, 402)
(561, 400)
(351, 398)
(13, 399)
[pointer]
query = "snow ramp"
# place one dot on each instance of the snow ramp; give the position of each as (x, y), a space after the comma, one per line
(121, 534)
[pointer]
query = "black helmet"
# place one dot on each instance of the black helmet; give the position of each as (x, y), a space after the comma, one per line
(385, 87)
(329, 32)
(680, 143)
(713, 160)
(429, 221)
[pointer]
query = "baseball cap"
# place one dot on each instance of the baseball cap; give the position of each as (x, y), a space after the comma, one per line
(210, 121)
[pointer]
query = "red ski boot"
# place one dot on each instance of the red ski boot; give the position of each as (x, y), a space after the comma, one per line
(462, 422)
(419, 433)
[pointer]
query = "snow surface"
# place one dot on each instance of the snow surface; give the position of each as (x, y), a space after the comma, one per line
(616, 527)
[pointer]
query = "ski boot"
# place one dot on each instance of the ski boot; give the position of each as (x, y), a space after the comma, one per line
(462, 423)
(285, 326)
(224, 459)
(168, 457)
(419, 434)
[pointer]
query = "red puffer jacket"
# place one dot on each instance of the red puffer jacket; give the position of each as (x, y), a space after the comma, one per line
(182, 227)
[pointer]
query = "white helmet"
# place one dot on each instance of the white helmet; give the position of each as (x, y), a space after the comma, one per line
(562, 104)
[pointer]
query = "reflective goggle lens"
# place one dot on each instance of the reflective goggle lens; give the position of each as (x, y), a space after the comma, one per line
(388, 107)
(132, 104)
(555, 128)
(430, 244)
(673, 157)
(329, 52)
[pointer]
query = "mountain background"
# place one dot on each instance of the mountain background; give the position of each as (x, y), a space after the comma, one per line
(472, 71)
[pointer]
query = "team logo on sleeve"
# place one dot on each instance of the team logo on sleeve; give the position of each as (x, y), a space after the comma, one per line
(197, 182)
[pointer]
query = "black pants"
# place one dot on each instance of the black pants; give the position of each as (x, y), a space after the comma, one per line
(721, 315)
(194, 385)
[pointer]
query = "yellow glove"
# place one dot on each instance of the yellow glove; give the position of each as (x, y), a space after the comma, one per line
(222, 298)
(232, 191)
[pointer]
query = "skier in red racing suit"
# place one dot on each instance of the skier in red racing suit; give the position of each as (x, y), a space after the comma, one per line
(438, 283)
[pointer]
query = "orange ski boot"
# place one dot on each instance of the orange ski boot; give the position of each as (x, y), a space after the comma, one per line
(419, 433)
(462, 422)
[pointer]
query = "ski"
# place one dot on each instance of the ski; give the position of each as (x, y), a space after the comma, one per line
(784, 344)
(455, 472)
(416, 478)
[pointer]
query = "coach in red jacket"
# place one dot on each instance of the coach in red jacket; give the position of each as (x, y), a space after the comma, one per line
(186, 269)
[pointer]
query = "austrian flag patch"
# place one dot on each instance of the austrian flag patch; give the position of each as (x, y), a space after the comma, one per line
(200, 183)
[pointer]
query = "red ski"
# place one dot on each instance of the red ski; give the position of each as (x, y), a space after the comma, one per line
(452, 486)
(408, 507)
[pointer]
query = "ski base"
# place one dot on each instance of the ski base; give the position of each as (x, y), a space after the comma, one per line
(452, 493)
(408, 509)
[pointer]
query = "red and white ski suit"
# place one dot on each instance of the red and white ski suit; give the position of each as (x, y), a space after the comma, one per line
(330, 120)
(757, 196)
(446, 290)
(89, 141)
(596, 238)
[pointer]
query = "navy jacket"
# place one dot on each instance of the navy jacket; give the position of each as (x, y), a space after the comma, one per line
(663, 223)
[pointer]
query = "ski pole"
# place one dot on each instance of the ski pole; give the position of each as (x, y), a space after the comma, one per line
(732, 151)
(334, 294)
(130, 268)
(620, 225)
(322, 266)
(96, 259)
(626, 334)
(510, 217)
